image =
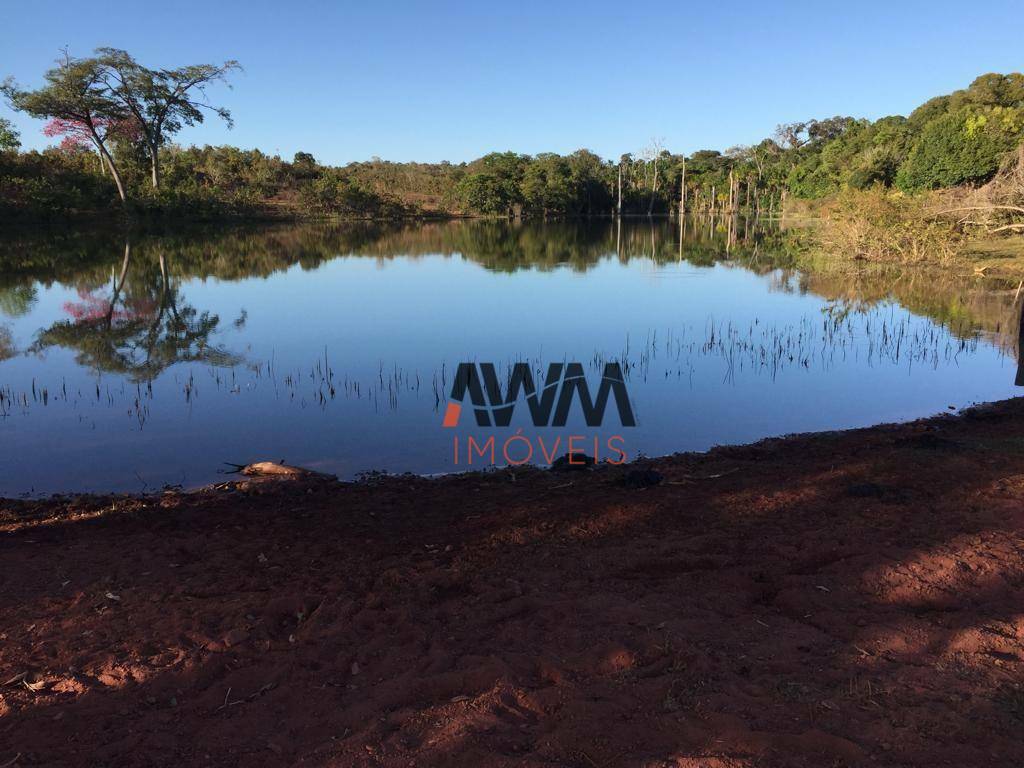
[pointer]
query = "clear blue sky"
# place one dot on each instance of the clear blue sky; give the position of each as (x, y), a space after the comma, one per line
(444, 80)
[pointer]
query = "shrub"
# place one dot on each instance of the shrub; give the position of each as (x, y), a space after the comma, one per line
(965, 146)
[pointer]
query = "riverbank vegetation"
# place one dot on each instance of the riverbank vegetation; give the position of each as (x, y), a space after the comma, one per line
(970, 226)
(908, 189)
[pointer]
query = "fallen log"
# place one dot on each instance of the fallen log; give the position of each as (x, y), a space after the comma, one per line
(275, 469)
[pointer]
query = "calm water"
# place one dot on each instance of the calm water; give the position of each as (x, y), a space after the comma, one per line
(128, 366)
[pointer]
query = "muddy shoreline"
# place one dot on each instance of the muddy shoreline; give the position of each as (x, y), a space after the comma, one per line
(843, 598)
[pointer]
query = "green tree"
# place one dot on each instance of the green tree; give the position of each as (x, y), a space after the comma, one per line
(991, 90)
(961, 147)
(9, 138)
(161, 101)
(591, 182)
(930, 110)
(547, 185)
(486, 193)
(75, 93)
(492, 184)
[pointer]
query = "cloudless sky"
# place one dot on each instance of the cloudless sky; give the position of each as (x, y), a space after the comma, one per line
(454, 80)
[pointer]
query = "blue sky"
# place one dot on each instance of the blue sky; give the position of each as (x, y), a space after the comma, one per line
(451, 81)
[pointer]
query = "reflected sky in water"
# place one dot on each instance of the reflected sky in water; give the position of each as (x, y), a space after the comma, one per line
(334, 348)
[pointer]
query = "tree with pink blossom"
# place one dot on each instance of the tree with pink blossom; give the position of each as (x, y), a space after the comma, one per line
(75, 94)
(110, 97)
(76, 137)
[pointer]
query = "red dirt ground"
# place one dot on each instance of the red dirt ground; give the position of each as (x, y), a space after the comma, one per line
(830, 600)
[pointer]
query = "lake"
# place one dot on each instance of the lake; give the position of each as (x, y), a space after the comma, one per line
(132, 363)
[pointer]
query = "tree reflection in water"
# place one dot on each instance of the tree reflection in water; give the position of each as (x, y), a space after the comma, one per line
(7, 348)
(728, 330)
(135, 321)
(141, 327)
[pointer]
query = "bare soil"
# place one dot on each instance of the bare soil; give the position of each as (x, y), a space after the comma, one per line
(829, 600)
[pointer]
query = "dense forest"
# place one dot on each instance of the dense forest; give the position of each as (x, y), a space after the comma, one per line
(961, 139)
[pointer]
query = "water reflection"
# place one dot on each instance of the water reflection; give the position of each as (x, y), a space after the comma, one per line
(17, 300)
(364, 323)
(138, 327)
(965, 305)
(6, 343)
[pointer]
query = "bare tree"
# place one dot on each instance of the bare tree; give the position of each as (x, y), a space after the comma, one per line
(651, 155)
(682, 189)
(792, 135)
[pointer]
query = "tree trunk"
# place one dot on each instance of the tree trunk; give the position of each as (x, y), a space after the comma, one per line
(113, 170)
(654, 188)
(119, 283)
(620, 189)
(682, 191)
(102, 148)
(154, 164)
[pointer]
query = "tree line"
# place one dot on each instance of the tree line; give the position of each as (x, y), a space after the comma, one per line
(118, 119)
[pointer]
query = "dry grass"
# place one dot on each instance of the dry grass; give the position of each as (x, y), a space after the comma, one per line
(995, 210)
(887, 226)
(976, 229)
